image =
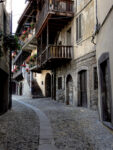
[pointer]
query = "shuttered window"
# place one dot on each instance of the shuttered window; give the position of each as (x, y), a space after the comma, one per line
(79, 28)
(59, 83)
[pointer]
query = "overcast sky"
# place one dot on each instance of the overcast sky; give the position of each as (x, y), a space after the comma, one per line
(18, 7)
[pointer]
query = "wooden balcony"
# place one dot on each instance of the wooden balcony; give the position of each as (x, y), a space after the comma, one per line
(21, 57)
(18, 75)
(54, 56)
(55, 9)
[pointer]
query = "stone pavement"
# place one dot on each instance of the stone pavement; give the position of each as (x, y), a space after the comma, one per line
(19, 129)
(73, 128)
(46, 140)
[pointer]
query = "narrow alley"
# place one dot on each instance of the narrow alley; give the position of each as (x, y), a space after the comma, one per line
(72, 128)
(56, 75)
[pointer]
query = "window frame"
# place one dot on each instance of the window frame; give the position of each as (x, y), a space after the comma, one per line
(60, 85)
(79, 28)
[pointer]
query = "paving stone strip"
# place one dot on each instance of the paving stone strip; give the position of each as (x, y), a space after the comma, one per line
(46, 141)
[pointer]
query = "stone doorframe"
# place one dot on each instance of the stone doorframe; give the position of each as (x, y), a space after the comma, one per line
(88, 84)
(103, 58)
(67, 94)
(65, 78)
(46, 86)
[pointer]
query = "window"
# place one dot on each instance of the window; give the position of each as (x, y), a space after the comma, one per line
(79, 27)
(95, 78)
(60, 83)
(69, 37)
(4, 23)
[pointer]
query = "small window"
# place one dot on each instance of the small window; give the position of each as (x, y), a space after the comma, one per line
(4, 23)
(95, 79)
(79, 28)
(60, 83)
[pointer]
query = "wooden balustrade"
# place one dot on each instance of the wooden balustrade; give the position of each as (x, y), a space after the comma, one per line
(53, 6)
(61, 6)
(44, 56)
(18, 73)
(60, 51)
(42, 16)
(39, 61)
(55, 52)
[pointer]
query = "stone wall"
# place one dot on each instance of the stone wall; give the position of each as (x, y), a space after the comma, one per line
(87, 62)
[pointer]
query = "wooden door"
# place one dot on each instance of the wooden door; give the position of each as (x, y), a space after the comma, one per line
(48, 85)
(82, 88)
(69, 90)
(105, 89)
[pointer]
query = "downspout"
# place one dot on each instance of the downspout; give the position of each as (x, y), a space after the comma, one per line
(97, 28)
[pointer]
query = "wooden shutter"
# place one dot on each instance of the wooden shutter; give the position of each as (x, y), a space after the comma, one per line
(76, 29)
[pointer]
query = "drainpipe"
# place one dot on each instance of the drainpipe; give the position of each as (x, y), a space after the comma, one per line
(97, 28)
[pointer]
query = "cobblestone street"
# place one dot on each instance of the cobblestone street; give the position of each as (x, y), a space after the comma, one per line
(19, 129)
(73, 128)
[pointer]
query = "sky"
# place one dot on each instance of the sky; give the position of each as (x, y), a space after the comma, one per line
(18, 7)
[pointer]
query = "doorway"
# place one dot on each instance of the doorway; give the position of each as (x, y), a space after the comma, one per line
(82, 88)
(21, 89)
(48, 85)
(105, 90)
(69, 90)
(4, 91)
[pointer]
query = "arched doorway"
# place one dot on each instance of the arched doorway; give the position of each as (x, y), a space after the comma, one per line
(69, 90)
(48, 85)
(82, 88)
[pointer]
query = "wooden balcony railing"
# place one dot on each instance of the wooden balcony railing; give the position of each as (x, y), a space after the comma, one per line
(55, 52)
(61, 6)
(18, 73)
(29, 36)
(51, 6)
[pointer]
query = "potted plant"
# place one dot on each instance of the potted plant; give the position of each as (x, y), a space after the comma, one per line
(11, 42)
(23, 65)
(35, 56)
(32, 58)
(23, 37)
(32, 25)
(27, 69)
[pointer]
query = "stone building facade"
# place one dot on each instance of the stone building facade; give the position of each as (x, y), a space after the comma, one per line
(81, 89)
(66, 67)
(104, 53)
(27, 80)
(86, 63)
